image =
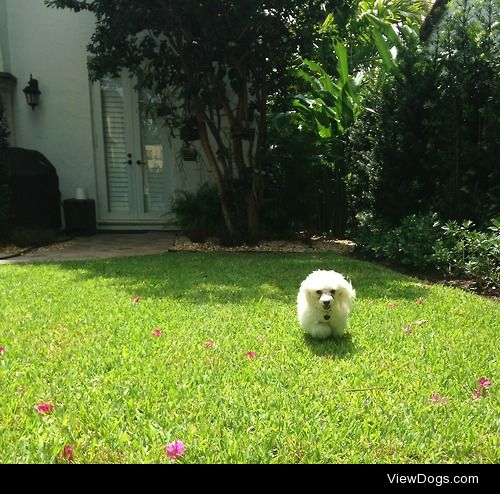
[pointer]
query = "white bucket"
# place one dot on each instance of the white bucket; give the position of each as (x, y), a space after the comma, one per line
(80, 193)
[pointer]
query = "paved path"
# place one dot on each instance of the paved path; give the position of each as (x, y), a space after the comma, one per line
(100, 246)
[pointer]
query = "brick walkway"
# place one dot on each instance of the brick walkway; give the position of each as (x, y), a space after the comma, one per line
(100, 246)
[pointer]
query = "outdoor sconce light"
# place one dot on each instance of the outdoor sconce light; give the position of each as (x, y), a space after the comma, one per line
(32, 92)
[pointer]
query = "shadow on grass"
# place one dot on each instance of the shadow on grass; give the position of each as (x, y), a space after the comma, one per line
(332, 347)
(237, 277)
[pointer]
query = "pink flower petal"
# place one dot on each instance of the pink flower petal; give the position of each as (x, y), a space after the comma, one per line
(44, 408)
(250, 355)
(68, 453)
(209, 343)
(2, 350)
(156, 332)
(484, 382)
(435, 398)
(175, 450)
(476, 394)
(136, 298)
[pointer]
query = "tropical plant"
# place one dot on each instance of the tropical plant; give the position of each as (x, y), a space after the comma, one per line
(198, 213)
(357, 45)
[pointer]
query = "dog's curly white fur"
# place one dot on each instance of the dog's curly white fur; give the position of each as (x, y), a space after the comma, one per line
(323, 303)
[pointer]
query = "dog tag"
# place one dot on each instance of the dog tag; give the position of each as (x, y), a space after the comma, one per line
(326, 317)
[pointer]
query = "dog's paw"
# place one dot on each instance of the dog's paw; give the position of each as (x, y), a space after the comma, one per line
(320, 331)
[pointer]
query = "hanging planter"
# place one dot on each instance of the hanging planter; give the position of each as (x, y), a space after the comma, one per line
(189, 130)
(189, 153)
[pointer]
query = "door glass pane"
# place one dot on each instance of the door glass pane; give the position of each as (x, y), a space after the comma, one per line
(115, 150)
(153, 133)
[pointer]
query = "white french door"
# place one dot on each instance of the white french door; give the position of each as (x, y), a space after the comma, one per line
(131, 156)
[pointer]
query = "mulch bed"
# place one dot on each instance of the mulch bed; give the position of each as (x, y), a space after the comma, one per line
(316, 244)
(11, 250)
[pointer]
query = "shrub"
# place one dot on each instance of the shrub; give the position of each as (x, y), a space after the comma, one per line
(432, 141)
(463, 251)
(198, 213)
(409, 244)
(425, 243)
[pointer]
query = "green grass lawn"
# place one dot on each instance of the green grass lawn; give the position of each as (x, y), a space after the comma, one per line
(72, 337)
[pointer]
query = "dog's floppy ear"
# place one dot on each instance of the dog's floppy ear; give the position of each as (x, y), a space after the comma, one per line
(310, 294)
(345, 293)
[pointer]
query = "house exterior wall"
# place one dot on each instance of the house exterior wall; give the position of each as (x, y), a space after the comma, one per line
(51, 45)
(7, 80)
(4, 41)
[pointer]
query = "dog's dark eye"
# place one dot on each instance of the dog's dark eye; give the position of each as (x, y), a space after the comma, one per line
(333, 292)
(318, 292)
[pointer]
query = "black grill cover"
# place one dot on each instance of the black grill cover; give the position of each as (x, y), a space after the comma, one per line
(34, 186)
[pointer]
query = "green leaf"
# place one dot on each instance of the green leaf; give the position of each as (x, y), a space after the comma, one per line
(342, 65)
(324, 82)
(384, 51)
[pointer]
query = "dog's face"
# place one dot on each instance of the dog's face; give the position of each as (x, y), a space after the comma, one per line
(321, 297)
(327, 290)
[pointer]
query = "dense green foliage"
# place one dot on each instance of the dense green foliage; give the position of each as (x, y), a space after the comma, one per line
(464, 251)
(434, 140)
(412, 130)
(4, 190)
(424, 244)
(397, 389)
(425, 158)
(353, 52)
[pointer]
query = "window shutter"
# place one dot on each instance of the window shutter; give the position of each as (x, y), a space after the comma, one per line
(115, 146)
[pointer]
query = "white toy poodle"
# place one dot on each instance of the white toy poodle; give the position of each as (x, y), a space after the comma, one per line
(323, 303)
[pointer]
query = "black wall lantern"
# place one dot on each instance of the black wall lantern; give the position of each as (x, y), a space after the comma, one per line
(32, 92)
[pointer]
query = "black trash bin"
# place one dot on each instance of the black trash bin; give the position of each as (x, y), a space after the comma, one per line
(80, 216)
(35, 199)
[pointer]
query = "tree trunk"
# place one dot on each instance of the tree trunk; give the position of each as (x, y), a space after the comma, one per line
(219, 181)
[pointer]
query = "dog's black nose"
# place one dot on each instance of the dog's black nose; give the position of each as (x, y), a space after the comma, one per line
(326, 305)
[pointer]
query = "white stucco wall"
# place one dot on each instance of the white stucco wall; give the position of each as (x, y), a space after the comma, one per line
(51, 45)
(7, 81)
(4, 48)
